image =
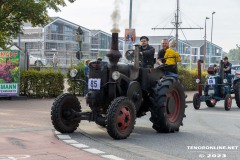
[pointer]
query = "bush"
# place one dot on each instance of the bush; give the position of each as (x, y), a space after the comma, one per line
(47, 83)
(188, 78)
(76, 88)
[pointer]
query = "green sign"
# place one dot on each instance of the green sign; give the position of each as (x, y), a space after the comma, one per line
(9, 73)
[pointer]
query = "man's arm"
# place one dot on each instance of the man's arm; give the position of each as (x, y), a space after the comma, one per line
(228, 68)
(160, 57)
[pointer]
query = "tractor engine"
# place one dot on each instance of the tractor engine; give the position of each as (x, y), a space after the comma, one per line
(100, 77)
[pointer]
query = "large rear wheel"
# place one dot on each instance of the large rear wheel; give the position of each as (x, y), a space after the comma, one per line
(62, 113)
(168, 105)
(121, 117)
(236, 88)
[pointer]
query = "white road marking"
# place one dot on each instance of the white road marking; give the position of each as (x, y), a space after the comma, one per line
(94, 151)
(62, 137)
(56, 132)
(67, 139)
(13, 157)
(80, 145)
(70, 141)
(112, 157)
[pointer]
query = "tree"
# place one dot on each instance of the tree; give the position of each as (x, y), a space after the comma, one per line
(14, 13)
(234, 54)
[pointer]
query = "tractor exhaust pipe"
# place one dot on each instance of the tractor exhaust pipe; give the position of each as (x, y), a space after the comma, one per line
(134, 72)
(114, 55)
(200, 77)
(221, 72)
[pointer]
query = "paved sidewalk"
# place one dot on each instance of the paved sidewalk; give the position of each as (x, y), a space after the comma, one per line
(26, 133)
(190, 94)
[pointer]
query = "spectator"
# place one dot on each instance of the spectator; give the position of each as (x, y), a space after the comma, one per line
(55, 60)
(86, 75)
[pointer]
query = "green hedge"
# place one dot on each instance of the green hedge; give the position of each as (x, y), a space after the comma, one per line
(41, 83)
(188, 78)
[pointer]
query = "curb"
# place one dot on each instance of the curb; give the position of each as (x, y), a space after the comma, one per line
(68, 140)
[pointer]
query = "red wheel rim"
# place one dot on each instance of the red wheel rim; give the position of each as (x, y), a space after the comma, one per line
(173, 105)
(229, 102)
(123, 119)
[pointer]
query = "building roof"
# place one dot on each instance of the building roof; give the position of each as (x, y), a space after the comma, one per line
(196, 43)
(158, 39)
(200, 43)
(94, 32)
(155, 39)
(74, 24)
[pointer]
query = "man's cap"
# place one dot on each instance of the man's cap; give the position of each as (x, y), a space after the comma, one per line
(144, 37)
(225, 58)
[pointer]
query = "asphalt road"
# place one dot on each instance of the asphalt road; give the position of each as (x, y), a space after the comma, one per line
(25, 129)
(204, 135)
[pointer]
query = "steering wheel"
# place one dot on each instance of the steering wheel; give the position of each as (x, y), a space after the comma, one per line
(129, 55)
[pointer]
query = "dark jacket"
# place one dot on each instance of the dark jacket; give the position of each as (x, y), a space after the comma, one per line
(226, 66)
(161, 54)
(147, 56)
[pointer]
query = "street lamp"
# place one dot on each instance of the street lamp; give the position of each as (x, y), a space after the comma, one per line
(205, 43)
(211, 40)
(79, 39)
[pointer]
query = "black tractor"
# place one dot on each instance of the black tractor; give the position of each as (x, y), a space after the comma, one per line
(119, 93)
(218, 86)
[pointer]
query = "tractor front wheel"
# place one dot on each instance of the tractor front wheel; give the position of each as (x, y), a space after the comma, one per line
(62, 113)
(168, 105)
(196, 101)
(121, 118)
(211, 103)
(228, 102)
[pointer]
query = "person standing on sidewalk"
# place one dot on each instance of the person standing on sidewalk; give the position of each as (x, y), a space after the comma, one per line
(55, 60)
(86, 75)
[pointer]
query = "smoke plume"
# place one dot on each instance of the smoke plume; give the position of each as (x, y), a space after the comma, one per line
(116, 16)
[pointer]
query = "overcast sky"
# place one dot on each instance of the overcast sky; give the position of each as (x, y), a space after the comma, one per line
(96, 14)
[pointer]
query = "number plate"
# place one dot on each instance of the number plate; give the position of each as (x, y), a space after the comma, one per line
(94, 83)
(211, 81)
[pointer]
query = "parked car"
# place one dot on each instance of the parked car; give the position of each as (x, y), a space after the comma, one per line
(234, 69)
(37, 61)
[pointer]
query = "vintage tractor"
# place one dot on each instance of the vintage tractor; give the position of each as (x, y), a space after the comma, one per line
(218, 87)
(119, 93)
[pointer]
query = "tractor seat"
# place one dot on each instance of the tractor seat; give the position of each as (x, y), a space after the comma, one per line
(168, 68)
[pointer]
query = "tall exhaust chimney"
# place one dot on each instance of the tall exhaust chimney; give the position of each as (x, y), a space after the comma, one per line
(114, 55)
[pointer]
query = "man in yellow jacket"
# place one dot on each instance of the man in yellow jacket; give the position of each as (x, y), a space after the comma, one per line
(172, 57)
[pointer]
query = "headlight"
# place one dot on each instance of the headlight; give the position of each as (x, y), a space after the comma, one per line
(197, 81)
(225, 81)
(115, 75)
(73, 73)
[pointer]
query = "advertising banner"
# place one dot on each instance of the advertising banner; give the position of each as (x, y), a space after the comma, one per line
(130, 36)
(9, 73)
